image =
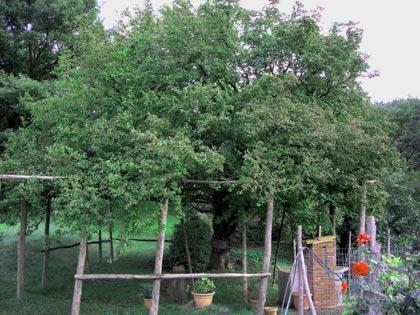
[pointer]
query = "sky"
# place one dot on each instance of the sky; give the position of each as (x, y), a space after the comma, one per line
(390, 38)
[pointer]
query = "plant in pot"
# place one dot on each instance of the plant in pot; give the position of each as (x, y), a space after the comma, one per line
(146, 290)
(203, 292)
(253, 290)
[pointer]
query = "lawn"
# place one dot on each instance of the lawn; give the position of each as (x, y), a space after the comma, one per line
(101, 297)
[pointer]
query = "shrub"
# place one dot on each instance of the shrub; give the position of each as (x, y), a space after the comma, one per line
(146, 290)
(204, 285)
(199, 233)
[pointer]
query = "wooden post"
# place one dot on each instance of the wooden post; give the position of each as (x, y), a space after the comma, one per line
(187, 251)
(319, 231)
(21, 250)
(362, 223)
(376, 254)
(305, 276)
(294, 248)
(77, 293)
(244, 262)
(100, 246)
(159, 258)
(111, 241)
(267, 256)
(388, 236)
(46, 243)
(300, 273)
(349, 258)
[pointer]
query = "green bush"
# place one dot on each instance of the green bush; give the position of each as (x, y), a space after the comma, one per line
(146, 290)
(204, 286)
(199, 233)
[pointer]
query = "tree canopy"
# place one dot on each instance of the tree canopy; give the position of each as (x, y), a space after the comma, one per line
(215, 92)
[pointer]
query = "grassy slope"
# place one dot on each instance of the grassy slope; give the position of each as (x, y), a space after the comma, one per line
(105, 297)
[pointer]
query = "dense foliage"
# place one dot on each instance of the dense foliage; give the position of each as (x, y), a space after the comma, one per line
(215, 92)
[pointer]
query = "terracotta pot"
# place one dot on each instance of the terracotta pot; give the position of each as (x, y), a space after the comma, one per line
(253, 302)
(270, 310)
(203, 299)
(295, 301)
(147, 302)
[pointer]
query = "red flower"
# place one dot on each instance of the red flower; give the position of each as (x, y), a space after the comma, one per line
(344, 287)
(360, 268)
(363, 238)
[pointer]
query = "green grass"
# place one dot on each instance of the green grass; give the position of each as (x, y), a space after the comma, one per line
(101, 297)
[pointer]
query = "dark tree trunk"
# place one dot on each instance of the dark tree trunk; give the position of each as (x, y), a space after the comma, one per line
(225, 222)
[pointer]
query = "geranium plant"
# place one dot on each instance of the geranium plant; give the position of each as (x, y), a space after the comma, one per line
(204, 286)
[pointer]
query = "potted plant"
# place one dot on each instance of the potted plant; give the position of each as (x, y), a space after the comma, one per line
(253, 290)
(295, 296)
(203, 293)
(146, 289)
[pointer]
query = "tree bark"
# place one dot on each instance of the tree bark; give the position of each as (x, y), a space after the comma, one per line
(46, 243)
(225, 222)
(267, 256)
(159, 258)
(21, 250)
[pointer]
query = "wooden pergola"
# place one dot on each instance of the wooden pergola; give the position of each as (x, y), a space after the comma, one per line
(22, 232)
(157, 276)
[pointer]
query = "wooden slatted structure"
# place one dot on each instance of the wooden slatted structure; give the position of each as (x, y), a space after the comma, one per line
(22, 232)
(158, 276)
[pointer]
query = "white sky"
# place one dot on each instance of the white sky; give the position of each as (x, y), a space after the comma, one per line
(391, 36)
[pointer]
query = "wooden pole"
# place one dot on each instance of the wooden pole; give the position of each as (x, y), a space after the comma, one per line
(362, 223)
(77, 293)
(319, 231)
(267, 256)
(388, 236)
(244, 262)
(305, 281)
(21, 250)
(187, 251)
(111, 241)
(294, 248)
(46, 243)
(100, 246)
(376, 254)
(154, 309)
(300, 273)
(349, 258)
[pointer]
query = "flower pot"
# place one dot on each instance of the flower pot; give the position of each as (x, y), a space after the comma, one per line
(270, 310)
(295, 296)
(203, 299)
(147, 302)
(253, 302)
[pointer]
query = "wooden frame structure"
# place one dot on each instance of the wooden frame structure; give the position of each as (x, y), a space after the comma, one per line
(22, 232)
(80, 276)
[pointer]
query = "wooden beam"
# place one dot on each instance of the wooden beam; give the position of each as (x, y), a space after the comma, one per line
(21, 250)
(26, 177)
(210, 182)
(169, 276)
(154, 309)
(77, 293)
(362, 215)
(267, 256)
(46, 243)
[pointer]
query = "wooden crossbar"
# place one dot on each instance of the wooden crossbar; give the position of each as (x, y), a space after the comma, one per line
(26, 177)
(169, 276)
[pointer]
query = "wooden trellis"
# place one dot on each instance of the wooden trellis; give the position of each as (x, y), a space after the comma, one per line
(158, 276)
(22, 233)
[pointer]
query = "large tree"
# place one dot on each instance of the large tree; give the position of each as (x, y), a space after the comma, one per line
(215, 92)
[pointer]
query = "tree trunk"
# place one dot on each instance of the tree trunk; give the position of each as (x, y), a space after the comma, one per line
(225, 221)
